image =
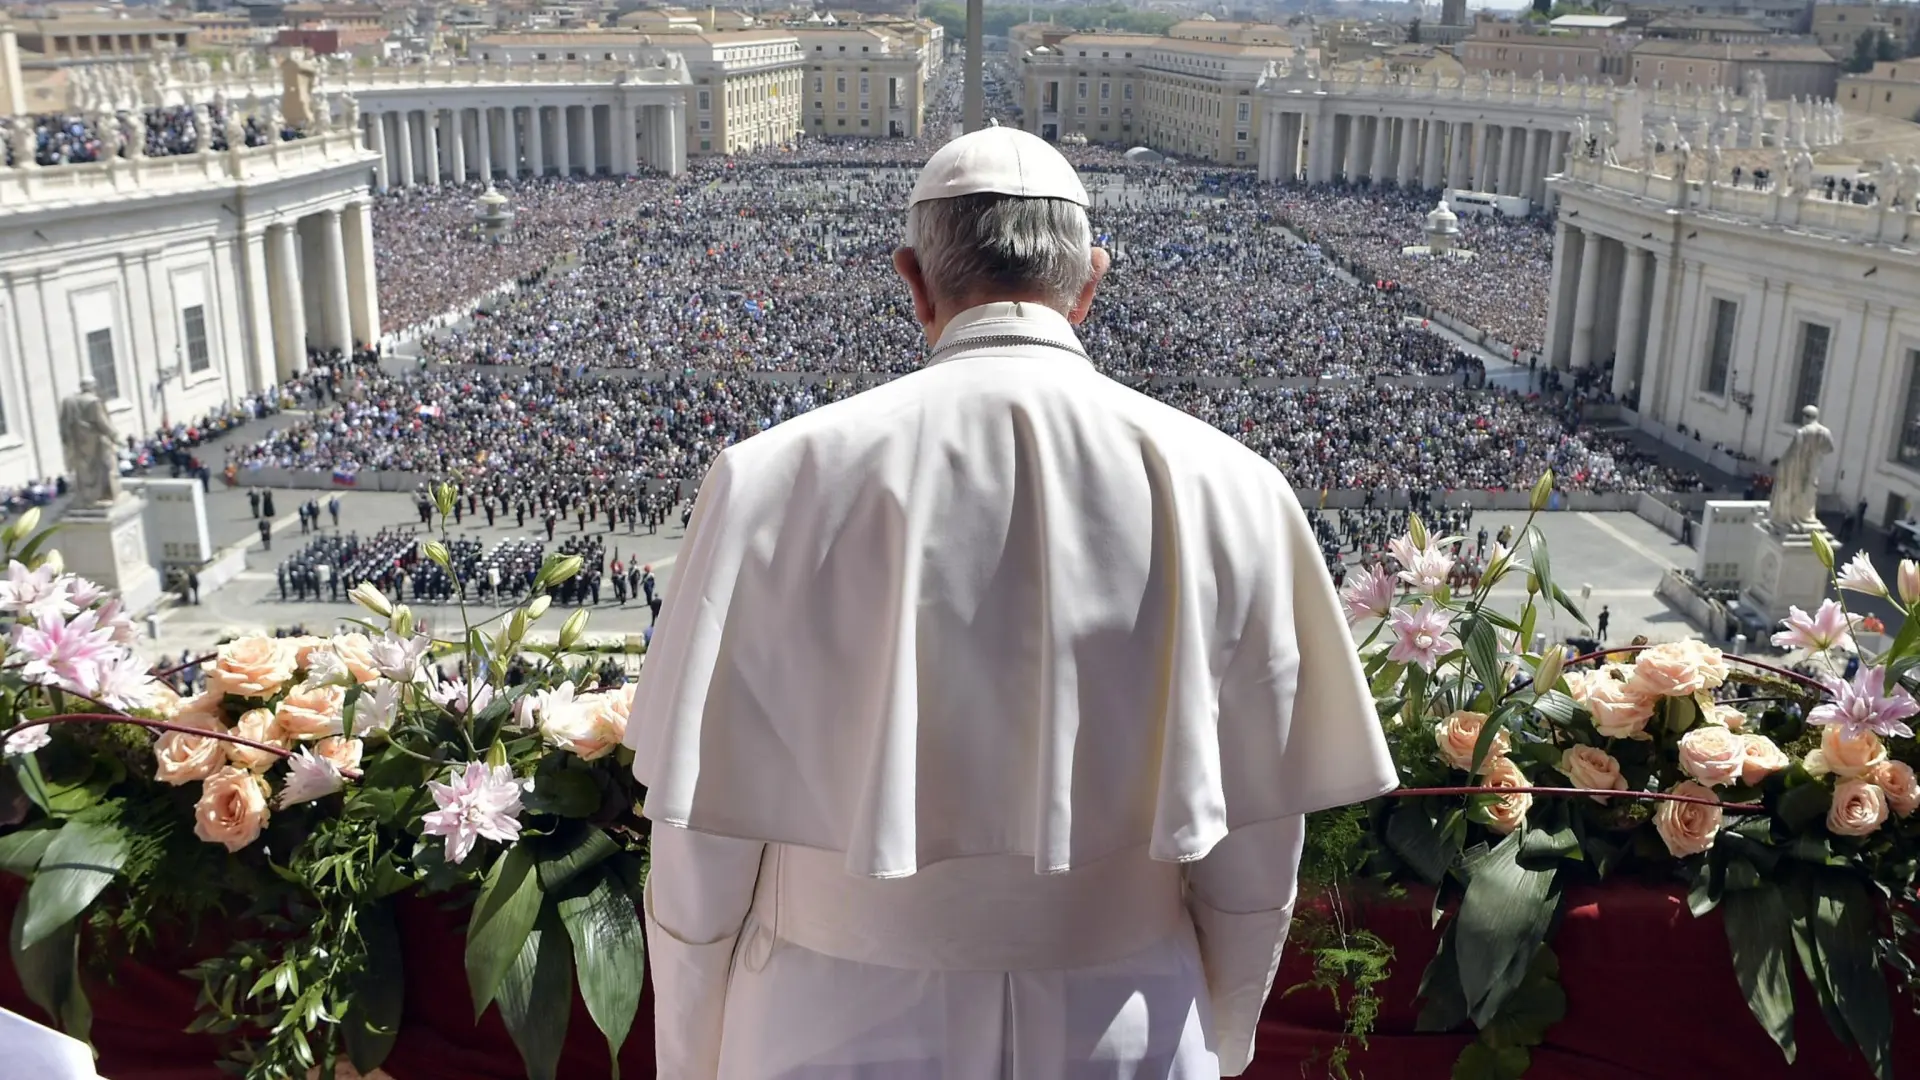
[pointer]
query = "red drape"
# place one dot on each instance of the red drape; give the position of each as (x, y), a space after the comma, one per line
(1650, 996)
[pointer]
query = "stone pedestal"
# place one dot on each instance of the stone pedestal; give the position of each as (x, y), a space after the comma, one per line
(1785, 573)
(108, 546)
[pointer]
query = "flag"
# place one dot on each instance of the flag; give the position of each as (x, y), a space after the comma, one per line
(343, 476)
(432, 411)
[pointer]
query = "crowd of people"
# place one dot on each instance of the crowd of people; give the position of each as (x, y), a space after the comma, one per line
(1502, 289)
(76, 139)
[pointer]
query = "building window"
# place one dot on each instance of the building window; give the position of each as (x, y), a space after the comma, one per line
(706, 101)
(706, 125)
(106, 376)
(1726, 318)
(863, 84)
(819, 84)
(706, 144)
(840, 84)
(1812, 369)
(1126, 92)
(1083, 91)
(1245, 112)
(1106, 90)
(1906, 438)
(193, 322)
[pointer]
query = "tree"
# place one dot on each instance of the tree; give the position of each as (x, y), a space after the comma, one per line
(1866, 48)
(1413, 31)
(1544, 7)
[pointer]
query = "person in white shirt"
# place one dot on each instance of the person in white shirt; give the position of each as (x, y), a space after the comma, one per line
(980, 728)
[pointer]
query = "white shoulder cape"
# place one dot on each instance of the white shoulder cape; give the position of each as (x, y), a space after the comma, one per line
(1002, 605)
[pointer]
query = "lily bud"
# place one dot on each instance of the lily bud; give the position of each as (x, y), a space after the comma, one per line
(443, 496)
(437, 551)
(538, 606)
(52, 562)
(571, 629)
(1533, 583)
(516, 628)
(1909, 582)
(497, 754)
(1822, 547)
(23, 525)
(1542, 492)
(1416, 530)
(369, 596)
(559, 569)
(1547, 673)
(402, 620)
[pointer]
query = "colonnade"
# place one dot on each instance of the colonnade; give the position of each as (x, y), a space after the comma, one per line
(431, 145)
(1602, 304)
(320, 288)
(1475, 155)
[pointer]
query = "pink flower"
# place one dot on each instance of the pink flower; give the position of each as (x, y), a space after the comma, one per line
(1368, 595)
(61, 653)
(27, 740)
(1424, 569)
(452, 696)
(37, 594)
(1863, 705)
(1860, 576)
(480, 802)
(309, 777)
(123, 681)
(1420, 636)
(1824, 629)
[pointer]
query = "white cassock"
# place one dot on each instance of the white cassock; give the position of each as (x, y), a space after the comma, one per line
(977, 732)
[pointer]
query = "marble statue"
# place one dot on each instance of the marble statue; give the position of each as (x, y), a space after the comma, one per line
(109, 127)
(1888, 178)
(202, 128)
(24, 148)
(352, 112)
(88, 438)
(1802, 172)
(1682, 161)
(1912, 186)
(1270, 72)
(1713, 162)
(1796, 480)
(137, 145)
(1539, 83)
(1649, 147)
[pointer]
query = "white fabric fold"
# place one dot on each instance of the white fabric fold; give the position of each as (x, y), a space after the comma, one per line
(1002, 605)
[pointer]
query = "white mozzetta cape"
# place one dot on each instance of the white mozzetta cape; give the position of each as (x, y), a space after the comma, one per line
(1003, 605)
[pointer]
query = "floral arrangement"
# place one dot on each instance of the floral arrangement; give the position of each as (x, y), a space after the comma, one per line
(315, 784)
(1783, 800)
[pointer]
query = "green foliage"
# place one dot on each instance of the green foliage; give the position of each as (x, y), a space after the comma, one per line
(1349, 964)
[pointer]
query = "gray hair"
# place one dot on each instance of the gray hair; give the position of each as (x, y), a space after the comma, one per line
(989, 241)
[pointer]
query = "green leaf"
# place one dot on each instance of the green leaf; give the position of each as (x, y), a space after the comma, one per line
(1539, 1003)
(503, 916)
(49, 972)
(1503, 917)
(1537, 558)
(1544, 845)
(1560, 597)
(78, 863)
(20, 852)
(1388, 678)
(1806, 804)
(1483, 652)
(572, 852)
(1446, 1007)
(569, 793)
(1483, 745)
(1845, 932)
(610, 955)
(536, 996)
(376, 994)
(1482, 1062)
(57, 798)
(1556, 706)
(1681, 713)
(1412, 835)
(1759, 933)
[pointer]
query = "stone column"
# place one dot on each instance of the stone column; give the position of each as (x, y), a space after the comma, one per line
(1379, 160)
(1432, 173)
(589, 141)
(1409, 152)
(1626, 339)
(289, 306)
(430, 142)
(1505, 179)
(1462, 144)
(338, 329)
(1482, 152)
(1530, 183)
(620, 135)
(377, 142)
(562, 144)
(536, 142)
(257, 294)
(363, 297)
(455, 125)
(1555, 348)
(483, 125)
(677, 138)
(403, 140)
(1585, 301)
(1557, 163)
(1653, 354)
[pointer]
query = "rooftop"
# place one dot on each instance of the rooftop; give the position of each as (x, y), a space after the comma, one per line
(1703, 50)
(1588, 22)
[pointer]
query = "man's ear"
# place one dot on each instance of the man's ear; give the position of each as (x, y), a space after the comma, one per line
(908, 266)
(1083, 305)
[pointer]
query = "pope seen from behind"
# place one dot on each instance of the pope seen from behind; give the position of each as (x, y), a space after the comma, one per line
(980, 727)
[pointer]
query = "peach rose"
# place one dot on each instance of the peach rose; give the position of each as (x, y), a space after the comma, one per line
(180, 757)
(166, 701)
(1508, 811)
(1845, 756)
(1592, 767)
(1762, 759)
(232, 809)
(1617, 712)
(591, 726)
(312, 711)
(1858, 808)
(1677, 669)
(209, 707)
(1897, 780)
(340, 750)
(252, 667)
(1457, 735)
(302, 648)
(1726, 716)
(1712, 755)
(356, 654)
(1688, 828)
(260, 726)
